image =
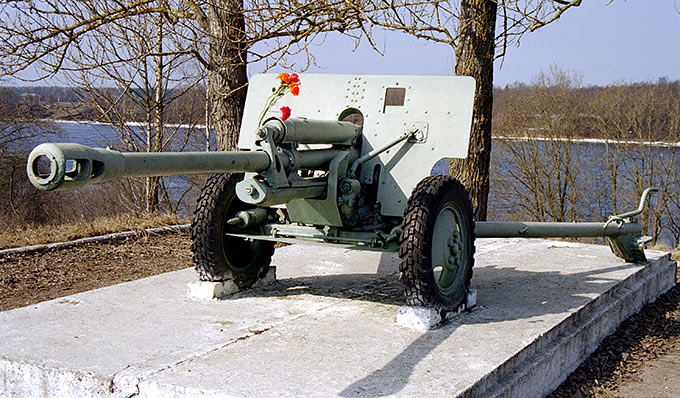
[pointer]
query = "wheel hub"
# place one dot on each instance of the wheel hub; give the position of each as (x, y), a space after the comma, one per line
(455, 247)
(448, 249)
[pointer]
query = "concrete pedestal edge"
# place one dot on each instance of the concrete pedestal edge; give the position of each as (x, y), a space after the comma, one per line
(29, 379)
(533, 372)
(543, 365)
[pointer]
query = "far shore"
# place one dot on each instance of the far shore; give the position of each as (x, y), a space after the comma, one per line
(662, 144)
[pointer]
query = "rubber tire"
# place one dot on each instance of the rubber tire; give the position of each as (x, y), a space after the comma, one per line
(417, 274)
(218, 257)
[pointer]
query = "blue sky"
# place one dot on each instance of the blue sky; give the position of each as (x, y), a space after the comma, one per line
(625, 41)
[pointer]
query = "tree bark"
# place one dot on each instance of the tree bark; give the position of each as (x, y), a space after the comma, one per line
(154, 139)
(154, 118)
(227, 77)
(474, 57)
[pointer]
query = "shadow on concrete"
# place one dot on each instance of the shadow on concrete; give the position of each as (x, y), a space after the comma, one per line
(511, 293)
(381, 287)
(394, 376)
(384, 289)
(514, 303)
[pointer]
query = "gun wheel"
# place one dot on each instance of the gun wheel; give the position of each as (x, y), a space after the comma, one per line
(437, 244)
(219, 257)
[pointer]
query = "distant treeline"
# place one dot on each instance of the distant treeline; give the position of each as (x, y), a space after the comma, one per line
(557, 105)
(517, 104)
(66, 103)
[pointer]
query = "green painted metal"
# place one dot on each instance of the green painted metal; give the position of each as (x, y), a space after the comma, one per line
(623, 231)
(448, 249)
(495, 229)
(249, 218)
(261, 193)
(619, 225)
(629, 247)
(322, 211)
(309, 131)
(294, 233)
(316, 159)
(71, 166)
(281, 183)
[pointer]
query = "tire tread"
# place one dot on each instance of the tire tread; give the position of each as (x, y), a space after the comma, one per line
(205, 231)
(416, 272)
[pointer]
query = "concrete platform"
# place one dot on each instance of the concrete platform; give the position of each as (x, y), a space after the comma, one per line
(327, 328)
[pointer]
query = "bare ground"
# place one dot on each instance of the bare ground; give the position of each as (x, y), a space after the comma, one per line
(642, 359)
(30, 278)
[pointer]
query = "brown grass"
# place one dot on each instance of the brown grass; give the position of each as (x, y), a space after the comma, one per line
(80, 228)
(675, 253)
(28, 278)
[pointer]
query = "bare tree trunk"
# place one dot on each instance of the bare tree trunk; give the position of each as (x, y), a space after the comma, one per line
(227, 77)
(207, 118)
(474, 57)
(149, 137)
(154, 143)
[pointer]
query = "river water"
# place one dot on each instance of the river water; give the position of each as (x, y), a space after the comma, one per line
(524, 173)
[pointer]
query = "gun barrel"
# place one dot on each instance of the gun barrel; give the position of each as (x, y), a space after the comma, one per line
(71, 166)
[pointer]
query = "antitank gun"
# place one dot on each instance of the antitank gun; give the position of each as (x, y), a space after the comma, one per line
(351, 168)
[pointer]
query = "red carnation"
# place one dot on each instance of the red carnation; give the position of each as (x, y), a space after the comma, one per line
(285, 112)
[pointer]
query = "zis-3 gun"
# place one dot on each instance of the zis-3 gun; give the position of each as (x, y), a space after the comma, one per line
(351, 168)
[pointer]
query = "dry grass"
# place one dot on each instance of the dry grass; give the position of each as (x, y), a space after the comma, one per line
(28, 278)
(675, 253)
(80, 228)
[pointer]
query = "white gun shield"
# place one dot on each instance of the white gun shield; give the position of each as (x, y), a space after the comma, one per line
(441, 106)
